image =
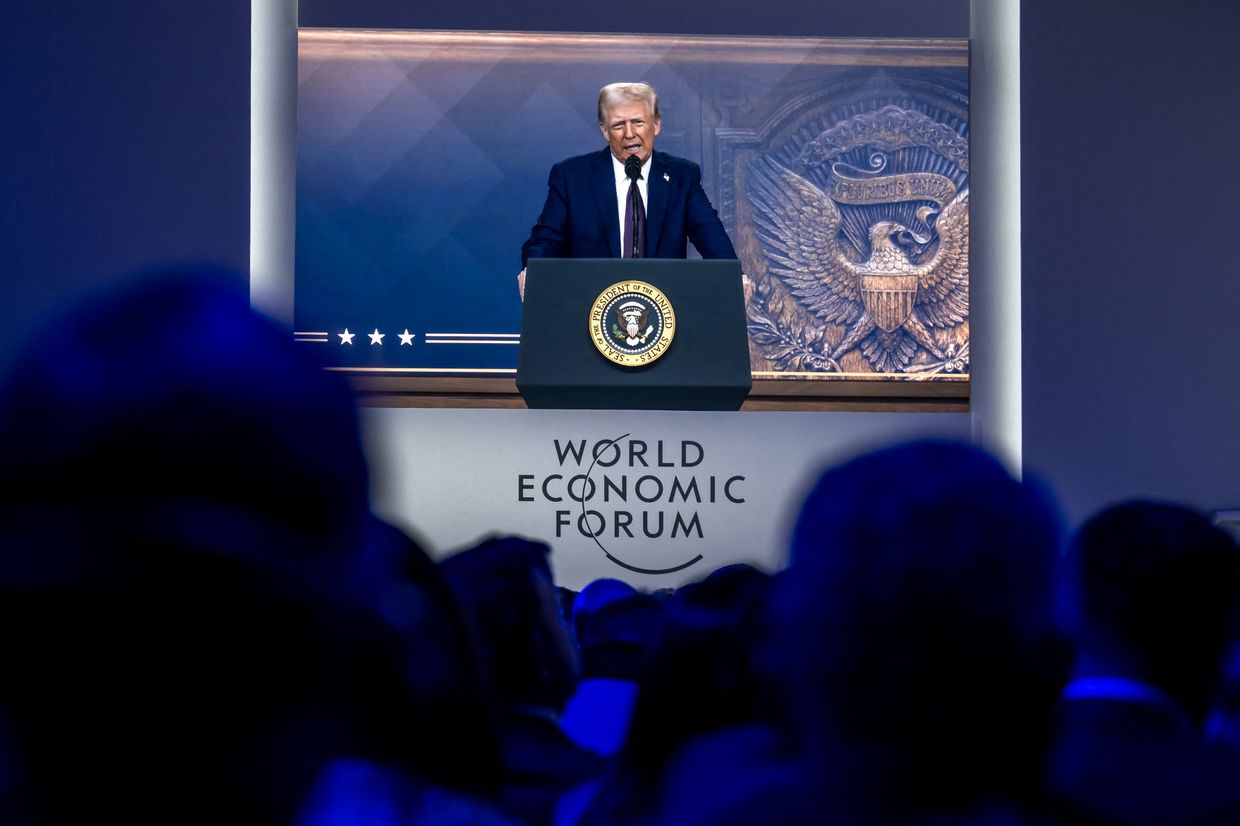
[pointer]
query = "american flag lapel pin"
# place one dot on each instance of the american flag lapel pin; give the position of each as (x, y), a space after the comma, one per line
(667, 177)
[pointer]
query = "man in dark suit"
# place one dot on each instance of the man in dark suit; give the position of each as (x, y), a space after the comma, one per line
(1155, 587)
(591, 208)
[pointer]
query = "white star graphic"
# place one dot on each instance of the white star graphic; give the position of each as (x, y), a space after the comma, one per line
(406, 338)
(376, 337)
(346, 337)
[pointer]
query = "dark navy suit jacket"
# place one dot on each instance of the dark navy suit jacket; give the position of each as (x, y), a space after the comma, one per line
(581, 219)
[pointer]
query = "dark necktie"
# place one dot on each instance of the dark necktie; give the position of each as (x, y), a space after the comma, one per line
(634, 223)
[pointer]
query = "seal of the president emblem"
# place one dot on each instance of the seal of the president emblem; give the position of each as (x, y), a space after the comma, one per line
(632, 323)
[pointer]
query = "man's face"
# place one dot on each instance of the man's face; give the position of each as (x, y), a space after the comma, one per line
(630, 129)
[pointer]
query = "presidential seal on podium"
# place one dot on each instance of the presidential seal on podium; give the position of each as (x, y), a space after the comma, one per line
(632, 323)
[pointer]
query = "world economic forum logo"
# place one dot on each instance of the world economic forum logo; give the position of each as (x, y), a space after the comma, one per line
(632, 323)
(648, 504)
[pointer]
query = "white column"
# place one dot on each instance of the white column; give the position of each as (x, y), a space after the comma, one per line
(995, 277)
(273, 156)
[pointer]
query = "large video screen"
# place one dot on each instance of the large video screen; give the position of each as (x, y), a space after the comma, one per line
(840, 169)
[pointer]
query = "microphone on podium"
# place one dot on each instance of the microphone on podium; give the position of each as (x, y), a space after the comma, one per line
(635, 211)
(633, 167)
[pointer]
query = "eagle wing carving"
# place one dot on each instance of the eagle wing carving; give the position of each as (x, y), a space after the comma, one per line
(943, 282)
(799, 226)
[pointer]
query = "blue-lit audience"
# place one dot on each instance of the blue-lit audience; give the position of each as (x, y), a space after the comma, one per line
(706, 694)
(923, 654)
(616, 628)
(1154, 589)
(199, 617)
(201, 621)
(506, 587)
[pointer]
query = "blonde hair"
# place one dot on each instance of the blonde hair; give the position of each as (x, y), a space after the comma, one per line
(614, 93)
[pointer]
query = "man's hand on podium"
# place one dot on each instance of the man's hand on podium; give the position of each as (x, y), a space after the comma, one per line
(521, 284)
(747, 288)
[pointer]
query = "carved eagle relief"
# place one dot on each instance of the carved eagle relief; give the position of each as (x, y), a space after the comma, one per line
(904, 287)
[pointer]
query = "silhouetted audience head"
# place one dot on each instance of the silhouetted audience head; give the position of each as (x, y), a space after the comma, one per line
(189, 573)
(917, 611)
(599, 594)
(617, 628)
(1155, 595)
(709, 672)
(172, 391)
(506, 588)
(457, 741)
